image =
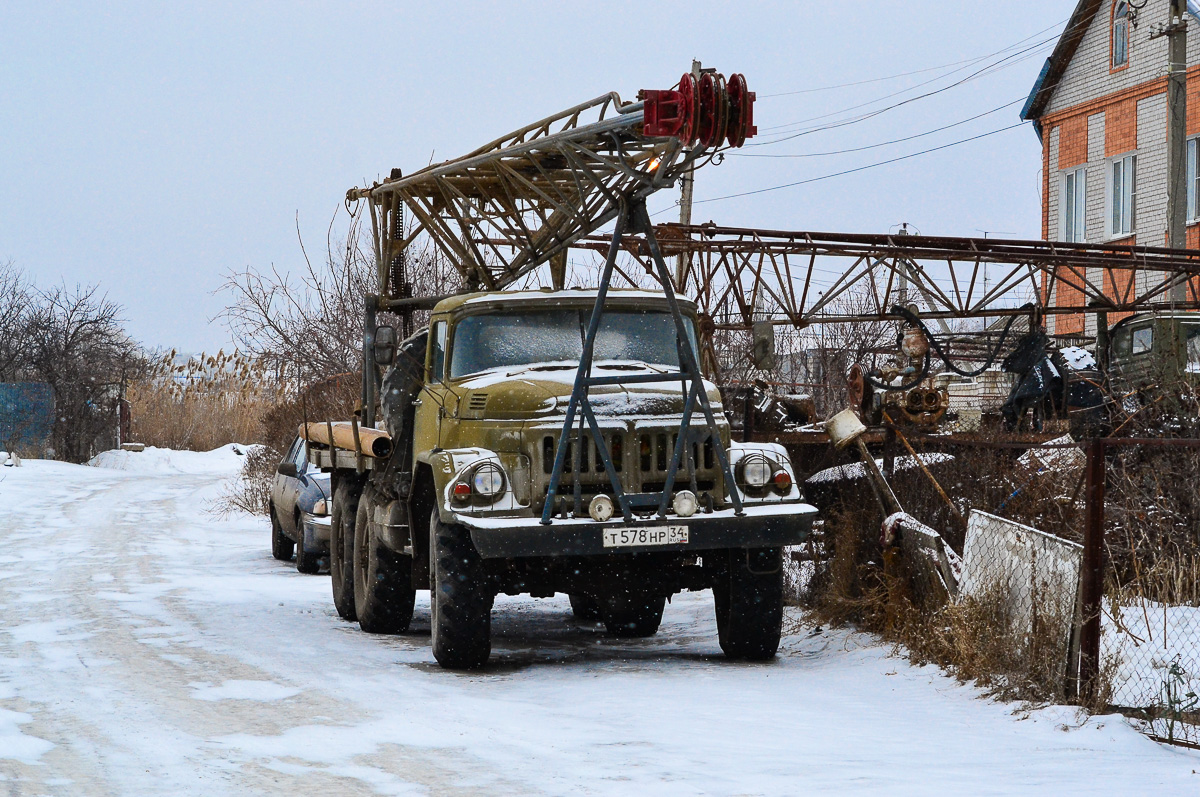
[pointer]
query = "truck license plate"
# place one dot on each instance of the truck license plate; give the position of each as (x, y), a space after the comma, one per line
(654, 535)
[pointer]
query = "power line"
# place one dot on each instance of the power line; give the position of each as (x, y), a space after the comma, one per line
(968, 62)
(864, 117)
(862, 168)
(880, 144)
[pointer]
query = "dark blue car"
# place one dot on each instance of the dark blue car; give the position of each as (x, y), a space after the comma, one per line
(300, 503)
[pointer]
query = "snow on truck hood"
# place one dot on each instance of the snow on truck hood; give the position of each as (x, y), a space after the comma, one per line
(545, 388)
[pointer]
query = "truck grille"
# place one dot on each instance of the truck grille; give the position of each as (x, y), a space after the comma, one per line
(640, 458)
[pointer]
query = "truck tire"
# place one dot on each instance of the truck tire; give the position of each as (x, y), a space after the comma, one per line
(748, 594)
(341, 548)
(632, 614)
(585, 608)
(281, 546)
(307, 563)
(383, 589)
(460, 600)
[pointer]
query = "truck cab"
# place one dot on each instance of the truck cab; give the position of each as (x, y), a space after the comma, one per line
(1155, 349)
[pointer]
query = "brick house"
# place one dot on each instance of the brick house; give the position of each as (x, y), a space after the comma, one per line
(1099, 107)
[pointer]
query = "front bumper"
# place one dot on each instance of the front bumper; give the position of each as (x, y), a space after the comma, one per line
(769, 526)
(315, 531)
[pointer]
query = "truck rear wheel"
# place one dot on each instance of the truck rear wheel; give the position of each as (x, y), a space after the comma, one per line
(632, 614)
(383, 590)
(584, 607)
(460, 600)
(748, 594)
(281, 546)
(341, 548)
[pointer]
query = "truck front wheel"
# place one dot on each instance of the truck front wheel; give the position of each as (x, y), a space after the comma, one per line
(460, 600)
(383, 589)
(748, 594)
(341, 548)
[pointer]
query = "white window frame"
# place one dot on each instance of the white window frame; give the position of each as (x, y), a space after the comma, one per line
(1193, 179)
(1120, 36)
(1120, 196)
(1072, 205)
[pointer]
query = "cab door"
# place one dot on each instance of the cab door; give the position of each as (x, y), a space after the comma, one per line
(437, 403)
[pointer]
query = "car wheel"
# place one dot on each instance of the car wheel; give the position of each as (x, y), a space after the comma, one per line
(341, 547)
(748, 595)
(383, 589)
(460, 598)
(307, 563)
(281, 546)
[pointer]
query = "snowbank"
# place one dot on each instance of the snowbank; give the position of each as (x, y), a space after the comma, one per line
(227, 459)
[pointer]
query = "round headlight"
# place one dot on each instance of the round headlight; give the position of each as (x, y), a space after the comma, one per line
(320, 508)
(685, 503)
(488, 480)
(756, 471)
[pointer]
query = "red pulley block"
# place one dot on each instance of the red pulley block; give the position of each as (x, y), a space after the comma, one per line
(741, 111)
(671, 113)
(714, 110)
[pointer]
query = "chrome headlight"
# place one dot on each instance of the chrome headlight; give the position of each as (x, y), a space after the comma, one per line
(756, 471)
(488, 480)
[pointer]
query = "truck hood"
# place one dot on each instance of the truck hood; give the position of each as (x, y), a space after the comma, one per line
(545, 390)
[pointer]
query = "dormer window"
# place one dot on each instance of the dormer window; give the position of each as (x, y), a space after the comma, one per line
(1120, 35)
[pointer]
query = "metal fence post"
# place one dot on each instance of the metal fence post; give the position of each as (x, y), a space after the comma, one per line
(1092, 577)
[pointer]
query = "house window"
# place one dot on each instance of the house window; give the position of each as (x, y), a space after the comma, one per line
(1122, 196)
(1072, 205)
(1193, 179)
(1120, 35)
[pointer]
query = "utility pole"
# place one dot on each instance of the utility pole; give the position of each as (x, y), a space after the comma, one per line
(1176, 33)
(687, 182)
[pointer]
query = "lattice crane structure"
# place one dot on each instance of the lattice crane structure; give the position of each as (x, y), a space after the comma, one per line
(522, 200)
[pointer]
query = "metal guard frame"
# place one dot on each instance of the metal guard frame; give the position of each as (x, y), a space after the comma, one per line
(632, 214)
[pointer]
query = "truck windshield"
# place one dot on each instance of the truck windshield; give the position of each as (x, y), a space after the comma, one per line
(554, 337)
(1193, 347)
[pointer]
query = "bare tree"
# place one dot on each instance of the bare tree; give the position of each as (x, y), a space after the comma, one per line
(15, 304)
(77, 344)
(311, 328)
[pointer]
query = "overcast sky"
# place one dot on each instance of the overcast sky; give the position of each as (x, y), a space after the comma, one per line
(152, 149)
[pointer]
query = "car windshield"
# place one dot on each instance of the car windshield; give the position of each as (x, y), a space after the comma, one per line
(554, 339)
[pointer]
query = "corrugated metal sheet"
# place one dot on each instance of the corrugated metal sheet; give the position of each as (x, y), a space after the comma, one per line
(26, 414)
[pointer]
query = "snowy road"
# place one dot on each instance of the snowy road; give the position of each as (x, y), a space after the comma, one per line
(147, 647)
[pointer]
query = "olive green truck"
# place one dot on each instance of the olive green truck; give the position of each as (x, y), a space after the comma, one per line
(475, 404)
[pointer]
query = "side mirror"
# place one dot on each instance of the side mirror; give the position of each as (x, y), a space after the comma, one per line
(287, 469)
(385, 345)
(763, 354)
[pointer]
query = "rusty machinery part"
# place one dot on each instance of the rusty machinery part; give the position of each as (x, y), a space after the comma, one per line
(504, 209)
(923, 406)
(915, 320)
(856, 387)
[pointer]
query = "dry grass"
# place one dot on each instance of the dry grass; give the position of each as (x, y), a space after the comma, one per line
(974, 638)
(335, 398)
(201, 404)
